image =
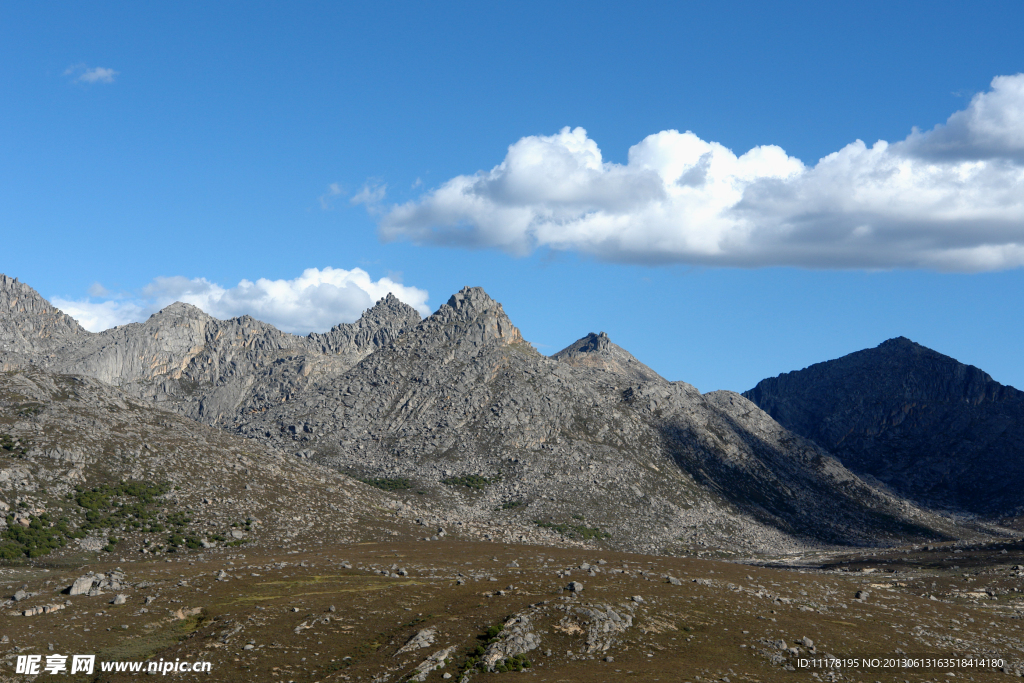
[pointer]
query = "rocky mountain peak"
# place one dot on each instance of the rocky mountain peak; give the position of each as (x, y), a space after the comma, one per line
(470, 315)
(391, 308)
(178, 311)
(900, 343)
(377, 326)
(30, 325)
(592, 343)
(598, 351)
(469, 301)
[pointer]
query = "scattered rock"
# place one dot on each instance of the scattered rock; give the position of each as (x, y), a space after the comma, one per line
(424, 638)
(431, 663)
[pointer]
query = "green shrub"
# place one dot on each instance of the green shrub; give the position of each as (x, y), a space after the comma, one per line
(178, 519)
(470, 481)
(514, 663)
(41, 537)
(474, 655)
(127, 505)
(10, 446)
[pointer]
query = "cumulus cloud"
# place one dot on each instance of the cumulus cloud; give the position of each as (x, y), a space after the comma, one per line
(97, 316)
(313, 302)
(83, 74)
(951, 198)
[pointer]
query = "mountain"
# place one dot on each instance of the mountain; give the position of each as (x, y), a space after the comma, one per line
(460, 409)
(462, 419)
(934, 430)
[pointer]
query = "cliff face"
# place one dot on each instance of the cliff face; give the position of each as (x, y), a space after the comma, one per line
(934, 430)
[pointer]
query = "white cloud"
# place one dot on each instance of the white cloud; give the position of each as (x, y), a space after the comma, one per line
(97, 74)
(372, 193)
(96, 316)
(951, 198)
(313, 302)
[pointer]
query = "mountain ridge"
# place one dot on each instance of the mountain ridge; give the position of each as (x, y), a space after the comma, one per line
(589, 439)
(187, 360)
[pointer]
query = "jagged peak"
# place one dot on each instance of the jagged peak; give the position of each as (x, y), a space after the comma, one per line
(471, 315)
(390, 303)
(180, 309)
(19, 303)
(598, 351)
(387, 308)
(469, 300)
(591, 343)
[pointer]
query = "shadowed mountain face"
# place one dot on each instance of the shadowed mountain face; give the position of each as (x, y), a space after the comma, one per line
(934, 430)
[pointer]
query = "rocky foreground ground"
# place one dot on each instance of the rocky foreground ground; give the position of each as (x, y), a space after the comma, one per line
(433, 611)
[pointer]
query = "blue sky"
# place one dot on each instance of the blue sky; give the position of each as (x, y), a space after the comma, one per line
(150, 153)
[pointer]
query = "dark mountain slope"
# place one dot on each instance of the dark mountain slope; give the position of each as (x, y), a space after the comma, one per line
(934, 430)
